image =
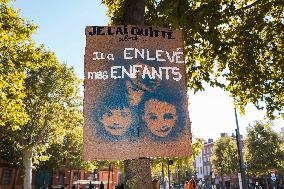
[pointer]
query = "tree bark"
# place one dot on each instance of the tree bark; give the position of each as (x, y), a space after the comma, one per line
(138, 174)
(134, 11)
(138, 171)
(15, 177)
(27, 161)
(222, 183)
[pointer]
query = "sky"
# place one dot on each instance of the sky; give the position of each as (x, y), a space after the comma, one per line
(62, 30)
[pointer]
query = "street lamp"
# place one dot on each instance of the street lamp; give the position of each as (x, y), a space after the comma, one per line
(240, 152)
(170, 162)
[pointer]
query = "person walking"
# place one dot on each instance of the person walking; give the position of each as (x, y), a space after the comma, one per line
(186, 185)
(166, 183)
(192, 183)
(102, 186)
(91, 186)
(257, 186)
(155, 184)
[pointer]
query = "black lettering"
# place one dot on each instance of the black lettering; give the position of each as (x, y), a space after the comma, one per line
(119, 31)
(125, 30)
(99, 30)
(94, 31)
(142, 32)
(134, 30)
(151, 31)
(109, 32)
(156, 32)
(164, 34)
(170, 34)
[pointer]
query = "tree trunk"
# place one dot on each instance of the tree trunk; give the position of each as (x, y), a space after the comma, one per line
(138, 174)
(134, 11)
(27, 161)
(15, 177)
(222, 182)
(138, 171)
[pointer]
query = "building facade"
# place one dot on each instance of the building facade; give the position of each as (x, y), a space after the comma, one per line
(199, 167)
(282, 132)
(12, 177)
(203, 166)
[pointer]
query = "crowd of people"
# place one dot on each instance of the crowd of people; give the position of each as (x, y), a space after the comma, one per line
(201, 184)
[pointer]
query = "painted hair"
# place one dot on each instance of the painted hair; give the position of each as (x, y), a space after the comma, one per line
(115, 99)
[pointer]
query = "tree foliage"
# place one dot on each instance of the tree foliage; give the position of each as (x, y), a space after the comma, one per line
(263, 149)
(181, 166)
(225, 156)
(39, 97)
(235, 45)
(68, 152)
(16, 54)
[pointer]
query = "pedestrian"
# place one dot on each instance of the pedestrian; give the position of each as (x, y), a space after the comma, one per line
(257, 186)
(192, 183)
(155, 184)
(91, 186)
(45, 186)
(199, 184)
(102, 186)
(186, 185)
(166, 183)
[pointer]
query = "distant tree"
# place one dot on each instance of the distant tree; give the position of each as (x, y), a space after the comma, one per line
(181, 166)
(17, 52)
(52, 103)
(281, 170)
(68, 152)
(225, 156)
(235, 45)
(263, 149)
(39, 97)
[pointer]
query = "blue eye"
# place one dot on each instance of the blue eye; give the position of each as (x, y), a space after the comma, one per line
(124, 114)
(168, 116)
(152, 116)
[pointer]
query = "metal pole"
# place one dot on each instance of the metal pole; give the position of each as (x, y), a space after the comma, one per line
(108, 178)
(169, 174)
(178, 175)
(240, 152)
(70, 181)
(163, 175)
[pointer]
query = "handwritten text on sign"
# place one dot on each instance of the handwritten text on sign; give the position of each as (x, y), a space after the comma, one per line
(117, 72)
(135, 100)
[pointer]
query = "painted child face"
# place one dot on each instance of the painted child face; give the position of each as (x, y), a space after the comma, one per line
(160, 117)
(117, 121)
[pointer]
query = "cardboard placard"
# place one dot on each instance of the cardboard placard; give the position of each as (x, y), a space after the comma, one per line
(135, 101)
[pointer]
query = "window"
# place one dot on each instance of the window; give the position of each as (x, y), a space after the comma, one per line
(61, 178)
(208, 170)
(204, 171)
(76, 176)
(6, 176)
